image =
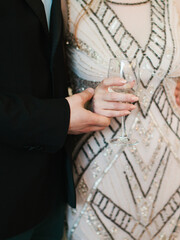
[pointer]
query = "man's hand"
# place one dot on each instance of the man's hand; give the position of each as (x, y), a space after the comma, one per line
(113, 104)
(82, 120)
(177, 93)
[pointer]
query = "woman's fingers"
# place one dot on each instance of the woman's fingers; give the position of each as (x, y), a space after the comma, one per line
(110, 82)
(113, 81)
(116, 106)
(113, 109)
(113, 104)
(112, 113)
(120, 97)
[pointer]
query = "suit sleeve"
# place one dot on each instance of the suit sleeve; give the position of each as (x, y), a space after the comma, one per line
(33, 124)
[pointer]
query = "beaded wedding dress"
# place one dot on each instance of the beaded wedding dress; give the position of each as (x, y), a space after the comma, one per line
(133, 192)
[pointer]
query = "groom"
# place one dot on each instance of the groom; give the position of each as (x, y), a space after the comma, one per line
(35, 118)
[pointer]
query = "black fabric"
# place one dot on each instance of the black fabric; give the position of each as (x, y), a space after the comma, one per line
(35, 170)
(55, 26)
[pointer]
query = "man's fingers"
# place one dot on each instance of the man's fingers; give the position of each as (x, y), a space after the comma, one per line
(98, 120)
(93, 129)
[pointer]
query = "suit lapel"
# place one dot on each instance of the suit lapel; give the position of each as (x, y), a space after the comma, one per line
(55, 26)
(38, 8)
(55, 20)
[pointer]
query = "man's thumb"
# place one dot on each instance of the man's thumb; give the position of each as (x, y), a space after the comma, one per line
(87, 94)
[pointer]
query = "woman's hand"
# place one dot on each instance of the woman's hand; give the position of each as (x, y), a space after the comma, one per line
(177, 93)
(112, 104)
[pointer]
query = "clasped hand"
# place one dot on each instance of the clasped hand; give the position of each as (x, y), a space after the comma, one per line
(81, 119)
(105, 106)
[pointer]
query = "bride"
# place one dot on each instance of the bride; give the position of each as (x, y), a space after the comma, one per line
(127, 193)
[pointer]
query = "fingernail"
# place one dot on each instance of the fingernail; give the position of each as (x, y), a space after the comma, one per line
(91, 90)
(123, 81)
(135, 99)
(126, 112)
(132, 107)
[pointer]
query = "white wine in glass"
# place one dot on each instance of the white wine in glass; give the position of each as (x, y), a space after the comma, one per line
(130, 72)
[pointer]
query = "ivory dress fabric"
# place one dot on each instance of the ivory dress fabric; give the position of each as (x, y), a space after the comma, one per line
(128, 193)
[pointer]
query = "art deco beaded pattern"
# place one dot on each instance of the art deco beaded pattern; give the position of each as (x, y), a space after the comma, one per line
(130, 193)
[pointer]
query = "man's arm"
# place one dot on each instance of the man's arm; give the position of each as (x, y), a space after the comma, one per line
(43, 124)
(31, 123)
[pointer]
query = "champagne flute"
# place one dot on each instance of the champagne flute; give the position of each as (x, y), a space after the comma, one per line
(130, 72)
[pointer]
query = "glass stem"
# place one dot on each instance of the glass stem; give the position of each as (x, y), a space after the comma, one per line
(123, 127)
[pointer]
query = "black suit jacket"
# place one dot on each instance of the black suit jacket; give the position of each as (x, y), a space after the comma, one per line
(35, 171)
